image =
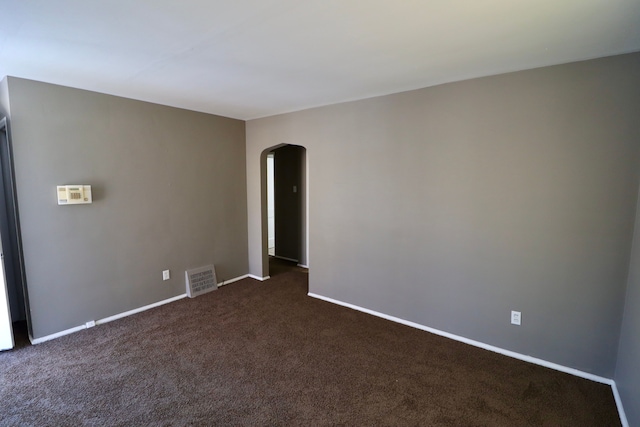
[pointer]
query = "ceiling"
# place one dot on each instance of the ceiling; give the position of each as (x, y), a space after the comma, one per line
(254, 58)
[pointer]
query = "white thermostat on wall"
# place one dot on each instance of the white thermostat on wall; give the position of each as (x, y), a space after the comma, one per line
(74, 194)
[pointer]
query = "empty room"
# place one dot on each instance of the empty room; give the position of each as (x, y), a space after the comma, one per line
(320, 213)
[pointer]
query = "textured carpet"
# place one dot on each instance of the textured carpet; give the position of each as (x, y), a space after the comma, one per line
(263, 353)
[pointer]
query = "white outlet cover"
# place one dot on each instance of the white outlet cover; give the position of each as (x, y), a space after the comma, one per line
(516, 317)
(166, 275)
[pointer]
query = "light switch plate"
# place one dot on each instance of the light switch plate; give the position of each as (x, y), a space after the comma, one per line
(516, 318)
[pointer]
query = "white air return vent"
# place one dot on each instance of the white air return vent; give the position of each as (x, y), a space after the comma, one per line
(201, 280)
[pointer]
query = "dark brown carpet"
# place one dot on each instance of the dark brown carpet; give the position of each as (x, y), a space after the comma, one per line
(263, 353)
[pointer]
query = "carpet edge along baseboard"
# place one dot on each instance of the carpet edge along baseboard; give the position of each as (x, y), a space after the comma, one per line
(489, 347)
(50, 337)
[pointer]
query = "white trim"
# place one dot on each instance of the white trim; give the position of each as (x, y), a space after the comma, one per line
(138, 310)
(306, 210)
(284, 258)
(262, 279)
(475, 343)
(227, 282)
(56, 335)
(303, 266)
(616, 396)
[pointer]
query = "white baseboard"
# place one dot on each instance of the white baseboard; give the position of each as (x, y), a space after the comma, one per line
(616, 396)
(262, 279)
(56, 335)
(138, 310)
(303, 266)
(105, 320)
(285, 258)
(489, 347)
(235, 279)
(121, 315)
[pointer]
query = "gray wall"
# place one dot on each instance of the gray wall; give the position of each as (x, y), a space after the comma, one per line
(628, 369)
(168, 193)
(452, 205)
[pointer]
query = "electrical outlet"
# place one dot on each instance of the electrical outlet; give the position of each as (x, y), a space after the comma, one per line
(90, 324)
(516, 318)
(166, 275)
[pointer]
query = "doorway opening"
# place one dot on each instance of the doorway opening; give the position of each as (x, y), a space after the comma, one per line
(14, 283)
(286, 209)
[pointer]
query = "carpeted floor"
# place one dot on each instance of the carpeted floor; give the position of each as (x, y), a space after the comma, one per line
(263, 353)
(279, 266)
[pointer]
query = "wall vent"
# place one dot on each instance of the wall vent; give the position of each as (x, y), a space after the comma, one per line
(201, 280)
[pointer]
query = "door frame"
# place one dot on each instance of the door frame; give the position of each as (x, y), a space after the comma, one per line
(7, 340)
(12, 244)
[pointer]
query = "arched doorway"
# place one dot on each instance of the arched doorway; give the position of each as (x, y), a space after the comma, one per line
(284, 207)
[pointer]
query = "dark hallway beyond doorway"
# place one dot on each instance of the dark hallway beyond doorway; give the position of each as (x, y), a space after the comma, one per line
(279, 266)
